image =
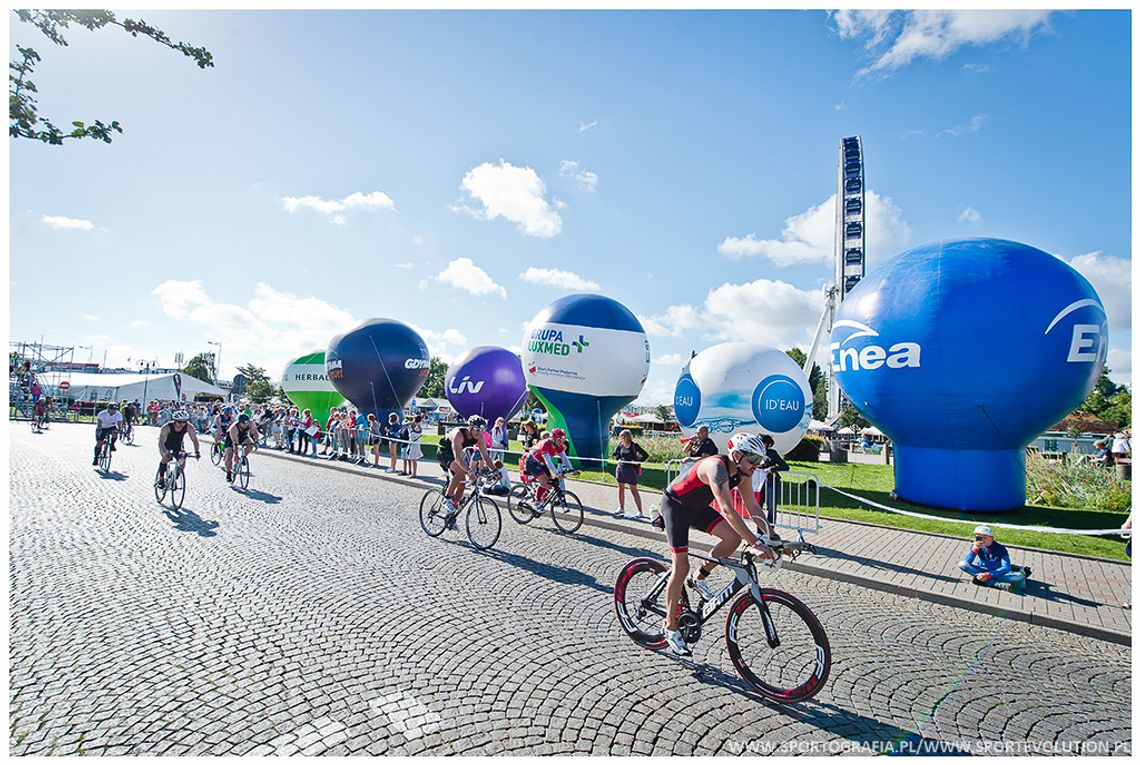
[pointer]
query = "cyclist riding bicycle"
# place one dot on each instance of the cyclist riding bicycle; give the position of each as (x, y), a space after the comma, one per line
(40, 409)
(243, 433)
(687, 504)
(170, 441)
(458, 467)
(221, 423)
(128, 411)
(539, 462)
(106, 426)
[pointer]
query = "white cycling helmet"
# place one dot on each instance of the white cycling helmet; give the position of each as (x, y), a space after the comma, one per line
(748, 444)
(181, 415)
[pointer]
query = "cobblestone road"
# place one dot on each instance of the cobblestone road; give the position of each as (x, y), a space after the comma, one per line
(312, 615)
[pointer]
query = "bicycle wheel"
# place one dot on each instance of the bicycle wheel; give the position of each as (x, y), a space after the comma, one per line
(568, 513)
(519, 504)
(639, 598)
(433, 513)
(243, 472)
(178, 488)
(484, 522)
(105, 456)
(129, 436)
(796, 668)
(160, 487)
(216, 455)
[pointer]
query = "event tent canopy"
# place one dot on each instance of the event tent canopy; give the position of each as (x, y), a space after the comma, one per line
(86, 386)
(871, 431)
(845, 432)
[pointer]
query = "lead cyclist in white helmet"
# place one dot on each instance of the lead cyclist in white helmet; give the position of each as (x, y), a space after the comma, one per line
(688, 503)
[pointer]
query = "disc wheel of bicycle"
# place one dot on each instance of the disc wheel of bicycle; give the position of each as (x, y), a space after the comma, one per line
(433, 514)
(243, 472)
(484, 522)
(797, 668)
(567, 513)
(640, 615)
(178, 489)
(519, 504)
(216, 455)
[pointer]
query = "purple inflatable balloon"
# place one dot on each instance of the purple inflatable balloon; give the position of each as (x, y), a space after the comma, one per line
(487, 381)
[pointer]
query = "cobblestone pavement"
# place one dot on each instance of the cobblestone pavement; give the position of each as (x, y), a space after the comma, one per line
(312, 615)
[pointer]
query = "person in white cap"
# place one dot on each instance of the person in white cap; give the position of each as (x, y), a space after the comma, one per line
(988, 562)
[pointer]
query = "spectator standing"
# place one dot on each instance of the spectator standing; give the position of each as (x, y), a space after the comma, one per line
(412, 451)
(700, 446)
(529, 435)
(500, 440)
(303, 425)
(393, 437)
(988, 562)
(772, 466)
(375, 438)
(629, 456)
(1121, 445)
(332, 434)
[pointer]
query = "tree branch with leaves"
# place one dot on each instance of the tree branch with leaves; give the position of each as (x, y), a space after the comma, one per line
(23, 113)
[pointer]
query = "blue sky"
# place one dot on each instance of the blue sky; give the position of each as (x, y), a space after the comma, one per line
(460, 170)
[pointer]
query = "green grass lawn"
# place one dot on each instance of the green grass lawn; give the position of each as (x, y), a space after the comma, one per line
(875, 483)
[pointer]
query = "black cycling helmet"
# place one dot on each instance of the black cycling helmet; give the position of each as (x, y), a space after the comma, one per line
(475, 421)
(112, 405)
(243, 418)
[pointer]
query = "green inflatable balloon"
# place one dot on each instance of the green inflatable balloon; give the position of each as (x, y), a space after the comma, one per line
(306, 383)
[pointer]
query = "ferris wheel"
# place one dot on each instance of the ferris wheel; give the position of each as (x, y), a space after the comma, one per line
(850, 251)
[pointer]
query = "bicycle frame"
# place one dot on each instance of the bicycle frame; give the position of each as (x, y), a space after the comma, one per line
(745, 577)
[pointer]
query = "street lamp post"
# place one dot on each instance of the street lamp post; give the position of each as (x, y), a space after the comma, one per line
(144, 367)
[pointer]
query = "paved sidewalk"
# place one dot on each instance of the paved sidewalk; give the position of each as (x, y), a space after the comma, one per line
(1069, 592)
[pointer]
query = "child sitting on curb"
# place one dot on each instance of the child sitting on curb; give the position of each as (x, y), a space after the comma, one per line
(989, 564)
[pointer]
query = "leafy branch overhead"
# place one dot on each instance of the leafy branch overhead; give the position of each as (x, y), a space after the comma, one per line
(22, 110)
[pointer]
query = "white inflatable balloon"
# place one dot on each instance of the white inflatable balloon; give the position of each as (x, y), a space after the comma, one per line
(744, 386)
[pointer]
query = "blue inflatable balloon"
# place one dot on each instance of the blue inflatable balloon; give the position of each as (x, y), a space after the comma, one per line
(378, 366)
(963, 352)
(585, 357)
(487, 381)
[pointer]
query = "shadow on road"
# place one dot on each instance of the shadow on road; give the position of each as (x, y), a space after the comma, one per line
(633, 552)
(1044, 590)
(828, 552)
(261, 496)
(560, 574)
(114, 475)
(188, 520)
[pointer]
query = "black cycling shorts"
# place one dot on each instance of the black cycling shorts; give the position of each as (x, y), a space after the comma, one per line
(228, 442)
(679, 518)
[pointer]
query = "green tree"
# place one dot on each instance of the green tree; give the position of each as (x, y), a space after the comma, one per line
(433, 386)
(201, 366)
(817, 381)
(1118, 409)
(662, 412)
(258, 388)
(850, 417)
(531, 404)
(22, 110)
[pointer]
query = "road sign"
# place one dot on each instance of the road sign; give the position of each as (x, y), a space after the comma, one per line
(64, 385)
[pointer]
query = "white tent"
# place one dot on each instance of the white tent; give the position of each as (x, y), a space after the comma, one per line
(871, 431)
(845, 432)
(85, 386)
(648, 417)
(816, 426)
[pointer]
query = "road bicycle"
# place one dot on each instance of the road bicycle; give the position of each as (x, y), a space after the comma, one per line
(173, 480)
(39, 422)
(483, 520)
(105, 451)
(775, 641)
(240, 467)
(218, 454)
(127, 433)
(564, 506)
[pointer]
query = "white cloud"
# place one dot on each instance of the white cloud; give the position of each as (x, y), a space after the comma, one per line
(265, 331)
(462, 273)
(766, 311)
(656, 392)
(973, 126)
(90, 317)
(514, 193)
(139, 323)
(563, 280)
(970, 215)
(975, 68)
(376, 200)
(448, 344)
(407, 265)
(59, 222)
(809, 237)
(904, 135)
(669, 360)
(933, 34)
(840, 106)
(585, 179)
(1120, 363)
(583, 127)
(1112, 279)
(418, 240)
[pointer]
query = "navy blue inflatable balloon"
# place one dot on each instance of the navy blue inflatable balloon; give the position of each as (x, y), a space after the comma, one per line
(963, 352)
(378, 366)
(487, 381)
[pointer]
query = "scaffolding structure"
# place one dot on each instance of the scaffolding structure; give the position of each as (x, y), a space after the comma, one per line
(34, 361)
